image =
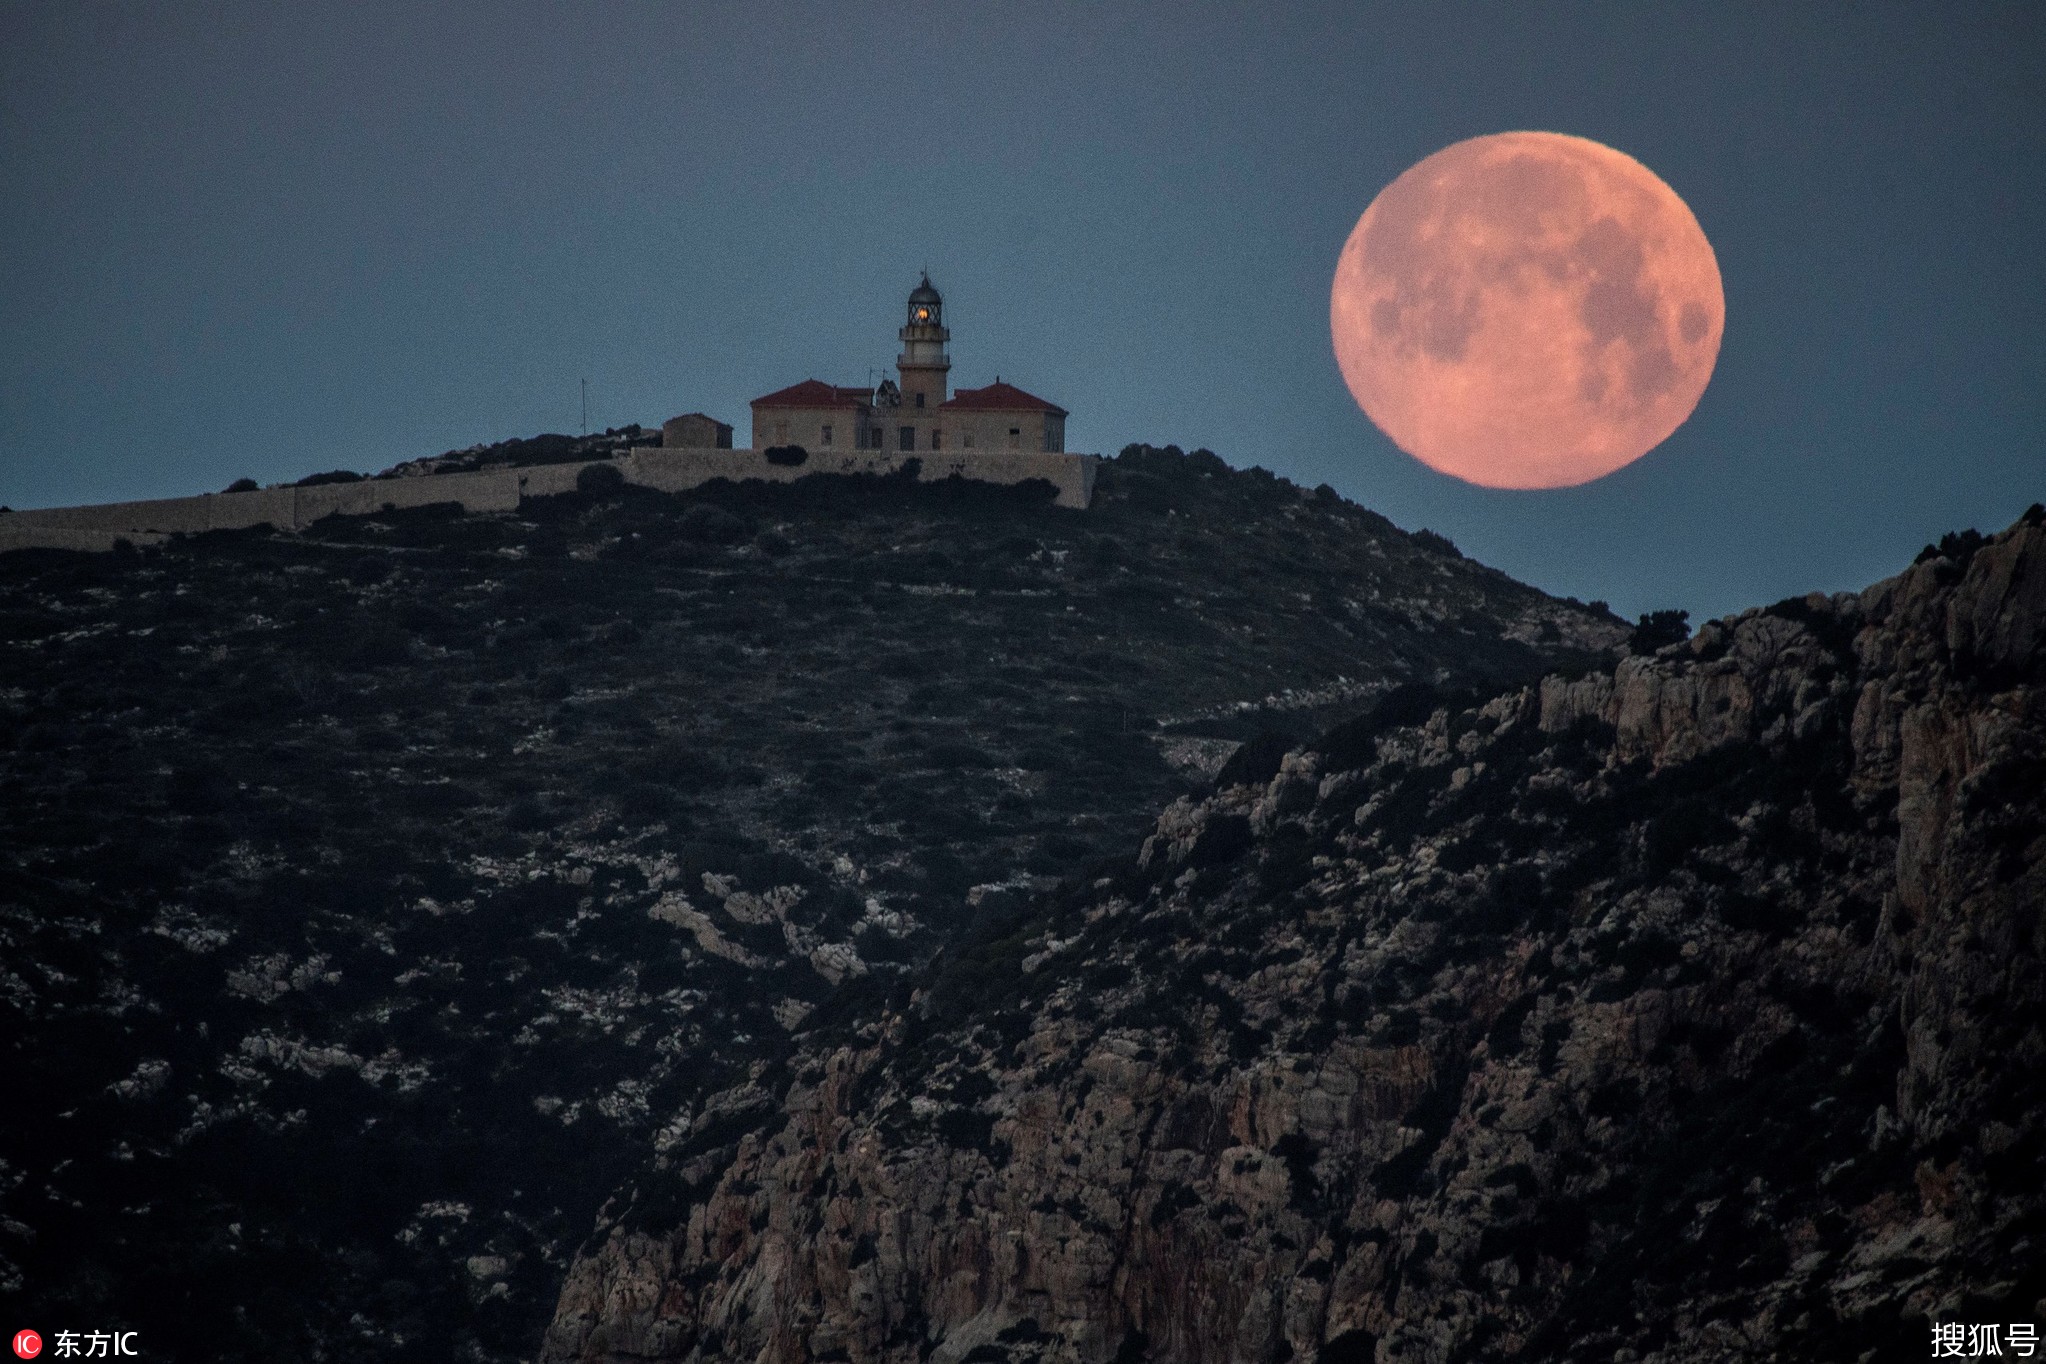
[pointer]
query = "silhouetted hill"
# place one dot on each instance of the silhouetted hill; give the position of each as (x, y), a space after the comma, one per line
(378, 898)
(1690, 1009)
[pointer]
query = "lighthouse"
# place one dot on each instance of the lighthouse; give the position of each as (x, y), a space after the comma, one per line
(923, 363)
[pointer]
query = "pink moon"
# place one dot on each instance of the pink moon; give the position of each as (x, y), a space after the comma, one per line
(1527, 310)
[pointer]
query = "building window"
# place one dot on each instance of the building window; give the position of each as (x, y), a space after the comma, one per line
(1015, 438)
(969, 438)
(908, 437)
(937, 440)
(919, 400)
(827, 436)
(781, 433)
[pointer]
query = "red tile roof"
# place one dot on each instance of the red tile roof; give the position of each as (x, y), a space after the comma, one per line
(999, 397)
(814, 393)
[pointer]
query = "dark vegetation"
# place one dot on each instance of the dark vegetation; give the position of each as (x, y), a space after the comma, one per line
(525, 451)
(1959, 546)
(1437, 544)
(1659, 628)
(329, 942)
(599, 480)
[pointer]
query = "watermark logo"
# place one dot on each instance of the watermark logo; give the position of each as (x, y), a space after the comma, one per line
(1984, 1340)
(79, 1344)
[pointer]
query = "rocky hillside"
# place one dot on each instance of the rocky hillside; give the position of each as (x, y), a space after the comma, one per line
(1688, 1009)
(374, 900)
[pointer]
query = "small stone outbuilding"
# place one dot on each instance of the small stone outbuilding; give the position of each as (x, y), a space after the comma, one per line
(695, 431)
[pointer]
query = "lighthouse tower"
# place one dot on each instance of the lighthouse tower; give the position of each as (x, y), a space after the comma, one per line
(923, 363)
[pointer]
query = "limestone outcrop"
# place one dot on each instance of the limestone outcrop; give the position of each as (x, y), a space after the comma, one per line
(1689, 1010)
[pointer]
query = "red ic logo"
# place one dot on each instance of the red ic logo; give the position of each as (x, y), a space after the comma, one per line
(27, 1344)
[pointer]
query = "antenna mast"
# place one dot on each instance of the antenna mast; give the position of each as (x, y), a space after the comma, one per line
(586, 407)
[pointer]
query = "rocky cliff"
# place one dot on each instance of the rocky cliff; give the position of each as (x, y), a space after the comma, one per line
(1689, 1009)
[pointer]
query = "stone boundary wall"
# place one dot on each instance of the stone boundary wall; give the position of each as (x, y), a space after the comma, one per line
(675, 470)
(98, 527)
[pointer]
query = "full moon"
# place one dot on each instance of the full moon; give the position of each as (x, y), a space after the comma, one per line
(1527, 310)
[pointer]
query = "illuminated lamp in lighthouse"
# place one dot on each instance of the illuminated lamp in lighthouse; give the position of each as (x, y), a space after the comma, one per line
(923, 363)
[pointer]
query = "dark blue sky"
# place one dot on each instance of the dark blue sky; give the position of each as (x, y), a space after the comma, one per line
(269, 240)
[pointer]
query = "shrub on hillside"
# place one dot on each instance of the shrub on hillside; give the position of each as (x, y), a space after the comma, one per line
(1103, 552)
(599, 480)
(1658, 629)
(1354, 743)
(788, 456)
(707, 523)
(1256, 762)
(1960, 546)
(551, 448)
(1437, 544)
(527, 814)
(368, 568)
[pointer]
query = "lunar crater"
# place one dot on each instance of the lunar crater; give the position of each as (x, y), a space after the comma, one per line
(1527, 310)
